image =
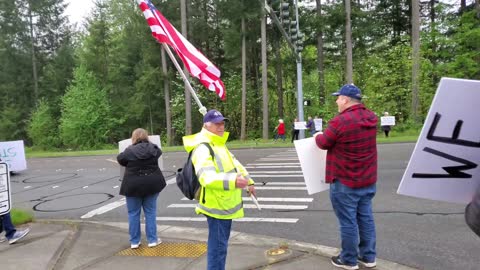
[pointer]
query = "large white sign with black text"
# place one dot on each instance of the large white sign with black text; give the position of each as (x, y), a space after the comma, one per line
(444, 163)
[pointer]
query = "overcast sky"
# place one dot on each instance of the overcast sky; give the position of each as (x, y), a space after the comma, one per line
(77, 10)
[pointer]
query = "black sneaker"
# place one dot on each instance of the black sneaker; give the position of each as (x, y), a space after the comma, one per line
(367, 264)
(338, 263)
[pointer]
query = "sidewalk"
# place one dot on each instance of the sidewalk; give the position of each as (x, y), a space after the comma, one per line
(91, 245)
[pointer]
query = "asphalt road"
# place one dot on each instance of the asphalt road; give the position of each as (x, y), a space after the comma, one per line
(415, 232)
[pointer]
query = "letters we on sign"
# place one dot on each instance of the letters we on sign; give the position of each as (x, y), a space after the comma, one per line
(444, 164)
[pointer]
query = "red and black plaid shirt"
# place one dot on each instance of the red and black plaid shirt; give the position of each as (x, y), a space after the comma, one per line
(351, 141)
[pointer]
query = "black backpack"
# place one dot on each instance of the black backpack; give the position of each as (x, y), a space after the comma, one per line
(187, 180)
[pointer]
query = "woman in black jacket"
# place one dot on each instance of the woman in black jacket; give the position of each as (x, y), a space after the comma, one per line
(141, 184)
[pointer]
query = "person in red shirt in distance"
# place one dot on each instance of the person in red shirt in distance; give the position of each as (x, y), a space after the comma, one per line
(280, 130)
(351, 170)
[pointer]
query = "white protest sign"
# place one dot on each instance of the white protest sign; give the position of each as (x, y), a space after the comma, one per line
(122, 145)
(313, 161)
(5, 192)
(387, 121)
(318, 124)
(13, 153)
(444, 163)
(300, 125)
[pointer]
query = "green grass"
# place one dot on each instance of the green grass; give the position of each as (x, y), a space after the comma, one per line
(395, 137)
(20, 216)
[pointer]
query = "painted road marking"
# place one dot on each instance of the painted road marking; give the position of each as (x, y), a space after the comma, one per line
(249, 206)
(196, 219)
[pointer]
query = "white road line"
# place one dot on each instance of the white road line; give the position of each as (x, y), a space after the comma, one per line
(278, 163)
(172, 180)
(249, 206)
(272, 167)
(272, 199)
(283, 184)
(277, 159)
(268, 199)
(105, 208)
(276, 172)
(27, 187)
(55, 186)
(275, 176)
(113, 205)
(112, 160)
(280, 188)
(85, 187)
(272, 220)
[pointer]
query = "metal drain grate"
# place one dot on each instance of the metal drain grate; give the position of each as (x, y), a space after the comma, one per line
(177, 250)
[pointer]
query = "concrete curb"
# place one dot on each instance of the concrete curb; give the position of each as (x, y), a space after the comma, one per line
(236, 238)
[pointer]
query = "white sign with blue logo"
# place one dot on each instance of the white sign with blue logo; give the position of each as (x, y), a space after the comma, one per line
(444, 163)
(13, 153)
(5, 201)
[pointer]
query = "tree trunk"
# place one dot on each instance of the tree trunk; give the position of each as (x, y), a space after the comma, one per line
(278, 71)
(243, 134)
(264, 76)
(320, 59)
(477, 7)
(34, 60)
(415, 58)
(463, 5)
(188, 97)
(166, 89)
(348, 43)
(433, 34)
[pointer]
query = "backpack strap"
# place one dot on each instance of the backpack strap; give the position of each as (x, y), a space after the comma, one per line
(209, 149)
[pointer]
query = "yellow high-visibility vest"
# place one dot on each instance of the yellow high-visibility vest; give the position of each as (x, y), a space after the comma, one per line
(219, 198)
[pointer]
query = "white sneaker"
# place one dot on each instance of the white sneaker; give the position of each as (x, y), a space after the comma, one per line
(19, 234)
(154, 244)
(135, 246)
(3, 239)
(367, 264)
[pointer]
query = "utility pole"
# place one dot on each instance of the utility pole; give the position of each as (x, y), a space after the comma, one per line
(294, 40)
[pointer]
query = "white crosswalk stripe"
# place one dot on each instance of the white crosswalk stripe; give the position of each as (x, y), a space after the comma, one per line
(272, 220)
(248, 206)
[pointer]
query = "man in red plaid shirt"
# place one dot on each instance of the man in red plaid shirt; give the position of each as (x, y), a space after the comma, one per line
(351, 170)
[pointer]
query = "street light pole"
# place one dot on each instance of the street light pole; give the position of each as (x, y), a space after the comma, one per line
(295, 47)
(299, 77)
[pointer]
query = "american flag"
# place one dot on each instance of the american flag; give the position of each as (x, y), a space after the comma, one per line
(196, 63)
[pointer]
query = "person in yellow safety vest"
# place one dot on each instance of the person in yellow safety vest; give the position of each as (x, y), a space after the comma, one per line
(222, 180)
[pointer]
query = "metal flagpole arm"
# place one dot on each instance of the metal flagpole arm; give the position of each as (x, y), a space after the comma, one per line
(203, 109)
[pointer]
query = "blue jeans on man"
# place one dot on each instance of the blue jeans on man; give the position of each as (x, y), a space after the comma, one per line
(134, 207)
(353, 208)
(8, 226)
(218, 235)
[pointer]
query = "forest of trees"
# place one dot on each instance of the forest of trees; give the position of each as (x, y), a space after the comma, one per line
(87, 86)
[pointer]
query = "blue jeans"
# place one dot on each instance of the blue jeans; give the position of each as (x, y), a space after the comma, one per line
(353, 208)
(218, 235)
(7, 225)
(134, 206)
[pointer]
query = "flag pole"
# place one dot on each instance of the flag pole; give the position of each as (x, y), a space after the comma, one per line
(203, 109)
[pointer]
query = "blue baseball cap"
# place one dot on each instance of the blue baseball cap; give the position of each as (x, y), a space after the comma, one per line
(214, 116)
(349, 90)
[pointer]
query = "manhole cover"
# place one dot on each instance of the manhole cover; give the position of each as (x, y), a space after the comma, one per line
(276, 251)
(177, 250)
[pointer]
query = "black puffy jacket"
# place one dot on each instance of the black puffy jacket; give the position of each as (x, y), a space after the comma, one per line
(142, 176)
(472, 213)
